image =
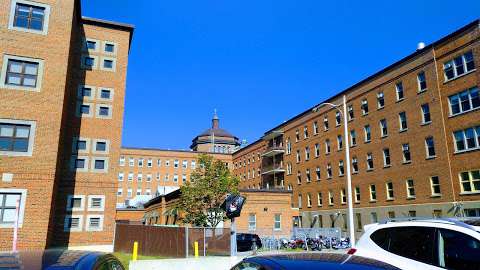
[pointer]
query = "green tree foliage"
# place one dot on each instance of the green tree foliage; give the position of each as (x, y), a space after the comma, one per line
(203, 195)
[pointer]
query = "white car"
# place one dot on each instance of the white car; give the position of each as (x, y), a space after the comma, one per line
(423, 244)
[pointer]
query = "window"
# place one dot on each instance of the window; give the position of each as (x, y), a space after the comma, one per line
(119, 191)
(406, 153)
(399, 91)
(458, 66)
(315, 128)
(184, 178)
(355, 164)
(327, 146)
(289, 146)
(380, 100)
(394, 239)
(277, 222)
(343, 196)
(341, 168)
(99, 165)
(359, 221)
(193, 164)
(468, 139)
(430, 147)
(149, 177)
(139, 191)
(105, 94)
(131, 162)
(94, 223)
(85, 92)
(175, 178)
(457, 250)
(101, 146)
(184, 164)
(339, 142)
(21, 73)
(130, 176)
(108, 64)
(317, 173)
(426, 114)
(410, 189)
(121, 176)
(422, 82)
(252, 222)
(383, 128)
(289, 168)
(364, 107)
(435, 185)
(122, 161)
(319, 199)
(73, 223)
(149, 163)
(16, 137)
(297, 136)
(317, 150)
(167, 162)
(96, 203)
(104, 111)
(369, 161)
(29, 17)
(305, 132)
(353, 137)
(140, 162)
(373, 193)
(374, 217)
(309, 200)
(402, 117)
(299, 177)
(84, 109)
(109, 47)
(389, 187)
(391, 214)
(338, 119)
(74, 203)
(386, 157)
(470, 181)
(330, 198)
(325, 123)
(307, 174)
(89, 62)
(357, 194)
(329, 171)
(464, 101)
(368, 134)
(129, 193)
(79, 163)
(298, 156)
(307, 153)
(300, 201)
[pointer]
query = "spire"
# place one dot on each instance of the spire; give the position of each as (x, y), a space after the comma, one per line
(215, 119)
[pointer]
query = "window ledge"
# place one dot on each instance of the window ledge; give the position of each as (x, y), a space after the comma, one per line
(390, 199)
(470, 193)
(464, 112)
(353, 145)
(384, 136)
(369, 170)
(355, 172)
(403, 130)
(411, 198)
(426, 123)
(373, 201)
(422, 91)
(406, 162)
(400, 100)
(380, 108)
(459, 76)
(387, 166)
(369, 141)
(436, 196)
(430, 157)
(341, 175)
(466, 151)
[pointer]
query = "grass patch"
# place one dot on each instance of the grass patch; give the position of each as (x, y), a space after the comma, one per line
(125, 258)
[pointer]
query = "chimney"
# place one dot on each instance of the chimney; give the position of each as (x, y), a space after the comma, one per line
(215, 120)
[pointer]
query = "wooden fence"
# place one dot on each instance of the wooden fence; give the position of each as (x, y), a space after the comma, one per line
(171, 241)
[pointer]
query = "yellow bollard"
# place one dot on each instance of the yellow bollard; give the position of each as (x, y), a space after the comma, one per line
(195, 246)
(135, 251)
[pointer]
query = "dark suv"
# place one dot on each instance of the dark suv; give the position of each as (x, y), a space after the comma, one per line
(248, 241)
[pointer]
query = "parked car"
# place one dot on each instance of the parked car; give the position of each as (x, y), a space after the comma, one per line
(59, 259)
(247, 241)
(423, 244)
(303, 261)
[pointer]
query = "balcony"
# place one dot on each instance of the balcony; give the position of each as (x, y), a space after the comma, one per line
(273, 150)
(272, 169)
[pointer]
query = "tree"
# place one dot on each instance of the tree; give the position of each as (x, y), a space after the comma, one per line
(202, 196)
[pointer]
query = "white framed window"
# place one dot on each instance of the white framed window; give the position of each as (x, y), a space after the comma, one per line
(159, 162)
(341, 168)
(184, 178)
(467, 139)
(315, 128)
(89, 62)
(373, 193)
(426, 117)
(343, 196)
(298, 156)
(252, 222)
(402, 119)
(149, 177)
(101, 146)
(167, 177)
(364, 107)
(318, 173)
(94, 223)
(305, 132)
(193, 164)
(84, 109)
(122, 161)
(354, 165)
(325, 123)
(130, 176)
(100, 164)
(297, 135)
(277, 222)
(21, 73)
(399, 91)
(329, 171)
(470, 181)
(90, 45)
(105, 94)
(73, 223)
(357, 194)
(131, 162)
(353, 138)
(369, 161)
(330, 198)
(383, 128)
(459, 66)
(339, 142)
(317, 150)
(407, 158)
(176, 163)
(327, 146)
(307, 175)
(380, 100)
(389, 188)
(386, 157)
(140, 162)
(29, 16)
(175, 178)
(338, 119)
(184, 164)
(351, 114)
(108, 64)
(8, 202)
(75, 202)
(410, 188)
(129, 193)
(139, 177)
(79, 163)
(300, 201)
(17, 137)
(139, 191)
(109, 47)
(121, 176)
(96, 203)
(368, 133)
(119, 192)
(309, 200)
(464, 101)
(86, 92)
(430, 147)
(319, 199)
(103, 111)
(149, 163)
(422, 81)
(307, 153)
(435, 185)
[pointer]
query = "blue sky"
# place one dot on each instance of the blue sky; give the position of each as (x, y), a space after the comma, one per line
(258, 62)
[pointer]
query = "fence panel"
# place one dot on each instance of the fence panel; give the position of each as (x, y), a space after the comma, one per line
(152, 240)
(211, 242)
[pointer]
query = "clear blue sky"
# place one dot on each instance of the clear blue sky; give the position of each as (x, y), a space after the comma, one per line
(258, 62)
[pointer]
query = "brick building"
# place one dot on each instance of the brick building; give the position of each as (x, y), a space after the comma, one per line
(414, 132)
(62, 88)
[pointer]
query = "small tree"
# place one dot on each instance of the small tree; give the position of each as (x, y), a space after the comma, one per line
(202, 197)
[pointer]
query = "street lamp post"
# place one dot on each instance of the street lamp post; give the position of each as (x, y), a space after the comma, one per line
(347, 160)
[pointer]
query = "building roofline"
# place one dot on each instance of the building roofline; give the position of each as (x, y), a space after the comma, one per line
(109, 24)
(473, 24)
(248, 146)
(172, 150)
(246, 190)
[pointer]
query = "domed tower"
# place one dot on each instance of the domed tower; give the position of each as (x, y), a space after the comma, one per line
(215, 139)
